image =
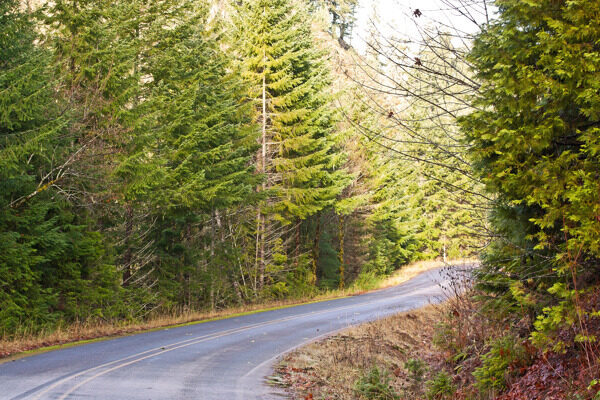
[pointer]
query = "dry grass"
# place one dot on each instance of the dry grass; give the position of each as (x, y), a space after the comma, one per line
(462, 334)
(328, 369)
(78, 332)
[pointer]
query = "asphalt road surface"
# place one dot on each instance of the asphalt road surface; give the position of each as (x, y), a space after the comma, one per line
(225, 360)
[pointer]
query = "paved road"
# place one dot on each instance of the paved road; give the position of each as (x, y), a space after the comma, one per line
(224, 360)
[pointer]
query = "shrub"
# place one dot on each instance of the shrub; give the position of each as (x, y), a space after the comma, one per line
(440, 387)
(443, 337)
(375, 386)
(505, 354)
(417, 369)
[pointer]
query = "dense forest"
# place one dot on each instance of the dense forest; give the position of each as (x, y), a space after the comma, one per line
(161, 156)
(174, 156)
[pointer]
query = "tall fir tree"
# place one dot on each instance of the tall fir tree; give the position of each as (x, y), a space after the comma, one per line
(289, 84)
(191, 159)
(52, 267)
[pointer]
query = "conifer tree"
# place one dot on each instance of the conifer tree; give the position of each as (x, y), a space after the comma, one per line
(290, 89)
(194, 140)
(24, 102)
(535, 137)
(51, 266)
(96, 51)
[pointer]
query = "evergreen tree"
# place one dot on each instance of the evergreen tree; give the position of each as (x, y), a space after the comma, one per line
(193, 146)
(51, 266)
(290, 89)
(423, 204)
(535, 139)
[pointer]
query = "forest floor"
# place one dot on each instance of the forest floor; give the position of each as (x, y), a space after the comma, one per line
(80, 333)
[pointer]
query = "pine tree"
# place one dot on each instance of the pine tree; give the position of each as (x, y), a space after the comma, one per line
(290, 89)
(194, 139)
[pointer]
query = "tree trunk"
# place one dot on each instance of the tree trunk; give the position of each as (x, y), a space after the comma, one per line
(297, 243)
(263, 169)
(315, 249)
(444, 249)
(128, 256)
(257, 280)
(238, 293)
(213, 233)
(341, 253)
(262, 266)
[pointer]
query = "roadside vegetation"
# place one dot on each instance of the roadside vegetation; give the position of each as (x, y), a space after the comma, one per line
(81, 332)
(452, 350)
(380, 360)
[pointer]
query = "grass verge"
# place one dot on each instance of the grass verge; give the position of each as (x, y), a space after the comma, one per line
(457, 350)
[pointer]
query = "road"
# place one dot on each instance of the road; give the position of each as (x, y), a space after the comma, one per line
(226, 359)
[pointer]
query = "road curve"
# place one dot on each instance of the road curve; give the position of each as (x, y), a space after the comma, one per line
(225, 360)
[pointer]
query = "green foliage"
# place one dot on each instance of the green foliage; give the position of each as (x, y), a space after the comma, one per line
(194, 137)
(417, 369)
(375, 385)
(506, 353)
(366, 280)
(389, 249)
(279, 60)
(288, 84)
(52, 267)
(190, 157)
(444, 337)
(565, 313)
(329, 263)
(423, 200)
(593, 383)
(95, 50)
(440, 387)
(535, 145)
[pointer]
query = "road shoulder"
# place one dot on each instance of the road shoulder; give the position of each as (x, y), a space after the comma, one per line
(392, 348)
